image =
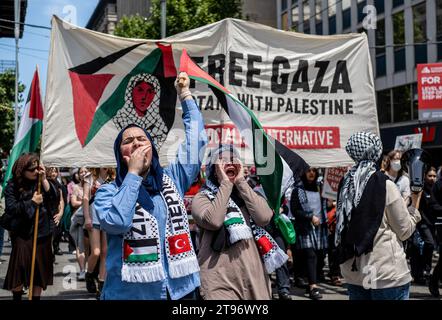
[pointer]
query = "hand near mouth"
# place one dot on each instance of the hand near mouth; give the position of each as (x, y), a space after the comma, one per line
(220, 172)
(239, 170)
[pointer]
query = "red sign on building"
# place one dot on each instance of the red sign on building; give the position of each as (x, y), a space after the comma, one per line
(429, 86)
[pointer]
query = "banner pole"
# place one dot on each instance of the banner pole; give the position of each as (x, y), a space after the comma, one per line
(34, 245)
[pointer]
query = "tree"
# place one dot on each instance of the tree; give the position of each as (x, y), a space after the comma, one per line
(7, 114)
(182, 15)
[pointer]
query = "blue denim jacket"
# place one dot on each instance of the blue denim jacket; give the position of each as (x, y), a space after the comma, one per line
(116, 206)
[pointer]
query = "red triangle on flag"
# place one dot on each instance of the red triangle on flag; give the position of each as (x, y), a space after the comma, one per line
(193, 70)
(36, 107)
(87, 90)
(127, 250)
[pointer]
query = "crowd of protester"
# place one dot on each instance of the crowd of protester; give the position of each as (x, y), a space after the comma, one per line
(206, 224)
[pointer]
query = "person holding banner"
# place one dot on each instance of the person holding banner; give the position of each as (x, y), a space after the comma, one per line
(22, 201)
(236, 253)
(150, 253)
(372, 221)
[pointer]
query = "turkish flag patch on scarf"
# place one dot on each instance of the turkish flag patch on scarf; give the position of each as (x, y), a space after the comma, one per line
(179, 243)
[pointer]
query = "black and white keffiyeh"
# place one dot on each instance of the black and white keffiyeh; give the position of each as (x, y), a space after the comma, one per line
(152, 120)
(365, 148)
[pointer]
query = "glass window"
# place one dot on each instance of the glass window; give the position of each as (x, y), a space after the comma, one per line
(384, 106)
(318, 16)
(331, 16)
(295, 17)
(439, 29)
(419, 22)
(331, 8)
(380, 37)
(346, 4)
(332, 25)
(379, 4)
(283, 5)
(285, 21)
(306, 8)
(397, 3)
(399, 40)
(402, 103)
(319, 28)
(415, 114)
(420, 33)
(399, 59)
(420, 53)
(346, 19)
(361, 14)
(381, 65)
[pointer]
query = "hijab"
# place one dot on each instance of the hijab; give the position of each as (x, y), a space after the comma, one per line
(153, 183)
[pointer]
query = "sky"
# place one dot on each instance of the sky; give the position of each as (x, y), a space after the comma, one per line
(35, 41)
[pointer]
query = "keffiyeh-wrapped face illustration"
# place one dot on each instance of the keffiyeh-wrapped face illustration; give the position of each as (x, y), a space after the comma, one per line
(142, 103)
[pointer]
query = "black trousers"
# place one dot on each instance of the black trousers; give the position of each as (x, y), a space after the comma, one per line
(335, 270)
(56, 237)
(314, 260)
(282, 273)
(299, 264)
(427, 234)
(422, 262)
(438, 268)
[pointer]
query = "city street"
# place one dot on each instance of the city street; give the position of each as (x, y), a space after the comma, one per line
(63, 289)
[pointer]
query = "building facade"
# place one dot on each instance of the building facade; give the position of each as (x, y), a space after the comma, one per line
(259, 11)
(406, 33)
(107, 13)
(7, 16)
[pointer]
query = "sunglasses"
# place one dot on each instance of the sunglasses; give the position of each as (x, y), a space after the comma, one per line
(32, 169)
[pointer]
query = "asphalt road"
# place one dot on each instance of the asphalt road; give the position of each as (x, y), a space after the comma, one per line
(66, 287)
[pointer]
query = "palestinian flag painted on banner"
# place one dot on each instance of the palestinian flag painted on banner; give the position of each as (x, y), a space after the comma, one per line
(31, 124)
(268, 153)
(142, 251)
(146, 96)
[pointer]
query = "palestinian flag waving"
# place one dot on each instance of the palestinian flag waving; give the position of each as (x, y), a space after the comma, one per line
(276, 164)
(145, 96)
(29, 131)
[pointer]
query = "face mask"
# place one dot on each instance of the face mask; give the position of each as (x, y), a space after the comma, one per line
(396, 165)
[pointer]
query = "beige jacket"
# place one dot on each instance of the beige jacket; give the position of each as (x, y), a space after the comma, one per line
(386, 266)
(237, 273)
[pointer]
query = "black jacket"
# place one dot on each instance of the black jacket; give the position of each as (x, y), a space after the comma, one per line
(19, 206)
(429, 207)
(303, 219)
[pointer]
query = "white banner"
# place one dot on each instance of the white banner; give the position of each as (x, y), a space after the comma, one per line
(309, 92)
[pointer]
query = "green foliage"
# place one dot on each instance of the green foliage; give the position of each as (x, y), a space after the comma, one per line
(181, 15)
(7, 99)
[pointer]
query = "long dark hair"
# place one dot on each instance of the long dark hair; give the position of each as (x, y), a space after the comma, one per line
(23, 163)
